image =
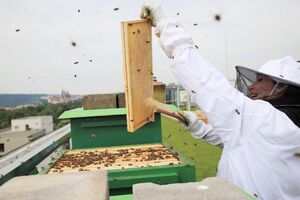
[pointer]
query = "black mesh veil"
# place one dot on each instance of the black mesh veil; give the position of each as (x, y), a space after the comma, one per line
(289, 102)
(244, 79)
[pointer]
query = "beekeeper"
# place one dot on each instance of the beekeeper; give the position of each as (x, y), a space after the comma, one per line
(259, 128)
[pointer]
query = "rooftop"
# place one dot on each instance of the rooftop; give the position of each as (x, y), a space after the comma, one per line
(21, 133)
(33, 117)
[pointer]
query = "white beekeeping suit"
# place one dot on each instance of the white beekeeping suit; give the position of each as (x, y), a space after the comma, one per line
(259, 140)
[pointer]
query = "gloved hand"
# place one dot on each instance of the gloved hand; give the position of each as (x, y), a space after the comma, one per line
(193, 123)
(153, 12)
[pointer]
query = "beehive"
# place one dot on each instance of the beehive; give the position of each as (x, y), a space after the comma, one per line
(115, 158)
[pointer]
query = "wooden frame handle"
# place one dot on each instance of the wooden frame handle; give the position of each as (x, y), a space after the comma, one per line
(172, 114)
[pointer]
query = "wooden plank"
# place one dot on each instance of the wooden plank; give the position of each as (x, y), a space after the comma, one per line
(159, 91)
(115, 149)
(121, 100)
(98, 101)
(116, 166)
(137, 61)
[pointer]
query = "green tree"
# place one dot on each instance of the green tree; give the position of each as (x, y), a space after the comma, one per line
(55, 110)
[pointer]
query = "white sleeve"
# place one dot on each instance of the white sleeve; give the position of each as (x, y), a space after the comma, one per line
(207, 134)
(214, 95)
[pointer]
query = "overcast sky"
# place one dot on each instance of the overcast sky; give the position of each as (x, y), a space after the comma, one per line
(36, 38)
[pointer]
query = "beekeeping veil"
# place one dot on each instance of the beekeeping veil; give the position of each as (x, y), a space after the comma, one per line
(284, 71)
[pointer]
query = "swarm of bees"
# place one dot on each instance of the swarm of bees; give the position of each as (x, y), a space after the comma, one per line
(113, 158)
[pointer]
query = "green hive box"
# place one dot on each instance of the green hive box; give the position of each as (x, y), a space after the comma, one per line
(107, 128)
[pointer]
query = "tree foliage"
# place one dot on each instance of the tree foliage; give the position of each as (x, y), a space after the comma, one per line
(46, 109)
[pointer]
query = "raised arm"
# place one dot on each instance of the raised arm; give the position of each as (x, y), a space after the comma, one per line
(214, 95)
(225, 107)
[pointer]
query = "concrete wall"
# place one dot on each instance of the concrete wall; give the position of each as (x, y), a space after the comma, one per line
(12, 142)
(33, 123)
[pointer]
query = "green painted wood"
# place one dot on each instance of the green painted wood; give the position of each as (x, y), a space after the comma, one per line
(107, 131)
(107, 128)
(122, 197)
(103, 123)
(121, 181)
(179, 173)
(80, 113)
(162, 178)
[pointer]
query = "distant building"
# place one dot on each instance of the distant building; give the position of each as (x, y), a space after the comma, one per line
(64, 97)
(177, 95)
(159, 90)
(23, 131)
(171, 93)
(44, 123)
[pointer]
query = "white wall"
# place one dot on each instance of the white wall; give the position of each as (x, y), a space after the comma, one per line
(41, 122)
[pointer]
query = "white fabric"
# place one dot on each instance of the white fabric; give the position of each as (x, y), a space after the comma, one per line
(208, 134)
(193, 123)
(259, 140)
(284, 68)
(200, 130)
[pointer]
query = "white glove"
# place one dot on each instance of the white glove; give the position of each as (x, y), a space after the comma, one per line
(193, 123)
(153, 12)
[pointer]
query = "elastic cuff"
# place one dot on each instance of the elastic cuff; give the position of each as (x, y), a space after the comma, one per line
(196, 126)
(160, 26)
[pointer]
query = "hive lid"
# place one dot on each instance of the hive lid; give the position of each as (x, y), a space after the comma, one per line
(80, 113)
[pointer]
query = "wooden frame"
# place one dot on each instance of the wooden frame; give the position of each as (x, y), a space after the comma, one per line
(137, 61)
(162, 156)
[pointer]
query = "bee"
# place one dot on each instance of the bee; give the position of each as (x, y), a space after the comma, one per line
(73, 44)
(217, 17)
